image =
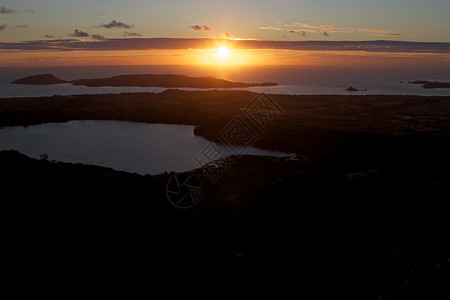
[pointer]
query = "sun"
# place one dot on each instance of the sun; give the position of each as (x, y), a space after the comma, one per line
(223, 54)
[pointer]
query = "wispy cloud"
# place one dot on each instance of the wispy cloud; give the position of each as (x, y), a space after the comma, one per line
(3, 26)
(79, 33)
(131, 34)
(378, 32)
(389, 34)
(20, 26)
(273, 28)
(325, 30)
(48, 36)
(201, 28)
(30, 11)
(7, 11)
(209, 43)
(301, 32)
(115, 24)
(314, 27)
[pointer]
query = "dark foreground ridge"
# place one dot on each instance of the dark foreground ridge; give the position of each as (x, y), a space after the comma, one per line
(361, 213)
(145, 80)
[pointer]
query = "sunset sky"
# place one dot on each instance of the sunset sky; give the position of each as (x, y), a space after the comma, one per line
(49, 32)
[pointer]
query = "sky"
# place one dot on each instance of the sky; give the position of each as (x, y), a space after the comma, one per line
(184, 32)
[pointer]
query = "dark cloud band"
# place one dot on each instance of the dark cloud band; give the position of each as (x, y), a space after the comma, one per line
(208, 43)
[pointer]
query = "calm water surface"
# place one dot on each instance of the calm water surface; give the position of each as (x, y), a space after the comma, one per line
(297, 80)
(126, 146)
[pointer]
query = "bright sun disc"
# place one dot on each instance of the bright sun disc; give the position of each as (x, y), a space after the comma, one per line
(223, 53)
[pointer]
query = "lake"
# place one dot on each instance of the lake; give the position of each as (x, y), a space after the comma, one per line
(125, 146)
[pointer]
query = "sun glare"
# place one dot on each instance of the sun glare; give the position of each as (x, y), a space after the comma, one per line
(223, 53)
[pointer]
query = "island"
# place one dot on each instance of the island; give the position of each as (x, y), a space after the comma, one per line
(144, 80)
(352, 89)
(432, 84)
(41, 79)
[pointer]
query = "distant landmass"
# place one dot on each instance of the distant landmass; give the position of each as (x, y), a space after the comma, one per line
(352, 89)
(145, 80)
(39, 79)
(432, 84)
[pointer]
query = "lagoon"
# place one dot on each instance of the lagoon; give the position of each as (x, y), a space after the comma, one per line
(125, 146)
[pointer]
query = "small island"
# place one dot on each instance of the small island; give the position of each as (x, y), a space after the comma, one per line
(144, 80)
(432, 84)
(352, 89)
(39, 79)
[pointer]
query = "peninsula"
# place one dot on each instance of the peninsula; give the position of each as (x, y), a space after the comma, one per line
(432, 84)
(144, 80)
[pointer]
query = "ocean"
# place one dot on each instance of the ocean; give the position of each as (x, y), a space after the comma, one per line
(296, 80)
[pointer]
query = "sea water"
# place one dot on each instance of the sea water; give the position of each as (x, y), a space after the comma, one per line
(296, 80)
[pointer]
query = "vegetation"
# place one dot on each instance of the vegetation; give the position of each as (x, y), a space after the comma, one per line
(361, 213)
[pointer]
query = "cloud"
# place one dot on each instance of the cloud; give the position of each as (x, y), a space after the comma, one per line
(79, 33)
(378, 32)
(274, 28)
(30, 11)
(324, 30)
(48, 36)
(201, 28)
(20, 26)
(7, 11)
(131, 34)
(301, 32)
(389, 34)
(3, 26)
(98, 37)
(378, 46)
(115, 24)
(308, 27)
